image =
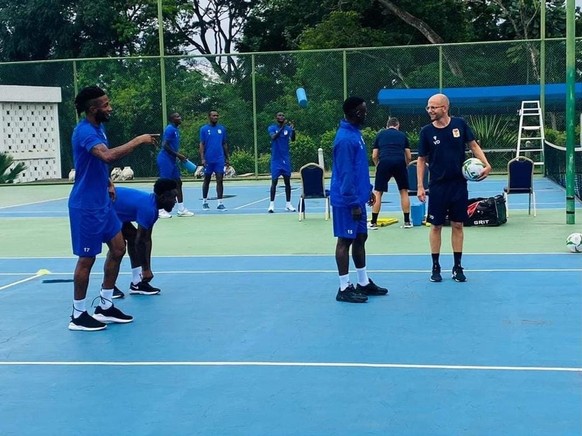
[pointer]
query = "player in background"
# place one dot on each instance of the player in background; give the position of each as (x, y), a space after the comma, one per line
(167, 165)
(213, 156)
(281, 134)
(391, 154)
(142, 208)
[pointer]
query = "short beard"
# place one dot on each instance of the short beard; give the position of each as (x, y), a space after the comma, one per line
(101, 117)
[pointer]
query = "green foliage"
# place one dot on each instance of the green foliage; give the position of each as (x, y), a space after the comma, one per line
(341, 29)
(494, 131)
(242, 161)
(303, 150)
(7, 174)
(555, 137)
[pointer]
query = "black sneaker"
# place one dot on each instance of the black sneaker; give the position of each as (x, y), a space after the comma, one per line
(143, 288)
(458, 275)
(113, 314)
(350, 295)
(436, 274)
(86, 323)
(117, 293)
(371, 289)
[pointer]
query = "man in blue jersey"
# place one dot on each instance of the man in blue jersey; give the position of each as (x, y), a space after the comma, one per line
(92, 217)
(142, 208)
(442, 145)
(350, 190)
(214, 156)
(167, 162)
(281, 134)
(391, 155)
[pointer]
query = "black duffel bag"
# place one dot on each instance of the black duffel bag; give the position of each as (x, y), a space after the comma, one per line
(486, 211)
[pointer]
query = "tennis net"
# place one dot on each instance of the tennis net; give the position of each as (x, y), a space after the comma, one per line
(555, 166)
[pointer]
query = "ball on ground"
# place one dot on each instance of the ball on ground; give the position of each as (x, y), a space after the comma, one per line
(574, 242)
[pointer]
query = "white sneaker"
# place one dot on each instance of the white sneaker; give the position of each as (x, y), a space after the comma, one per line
(164, 214)
(271, 209)
(185, 212)
(290, 208)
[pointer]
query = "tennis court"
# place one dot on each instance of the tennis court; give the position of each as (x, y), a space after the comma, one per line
(246, 337)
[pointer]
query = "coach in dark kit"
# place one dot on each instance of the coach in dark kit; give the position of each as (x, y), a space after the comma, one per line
(442, 144)
(391, 155)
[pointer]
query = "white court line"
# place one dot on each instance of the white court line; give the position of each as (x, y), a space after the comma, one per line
(306, 365)
(219, 256)
(34, 202)
(313, 271)
(261, 200)
(35, 276)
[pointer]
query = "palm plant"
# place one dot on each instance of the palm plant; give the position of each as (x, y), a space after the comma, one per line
(7, 174)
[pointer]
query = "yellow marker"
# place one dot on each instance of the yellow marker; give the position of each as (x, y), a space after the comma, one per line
(42, 272)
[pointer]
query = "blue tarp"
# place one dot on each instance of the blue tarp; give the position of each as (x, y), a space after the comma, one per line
(487, 99)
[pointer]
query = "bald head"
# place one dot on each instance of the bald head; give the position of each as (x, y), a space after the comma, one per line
(439, 100)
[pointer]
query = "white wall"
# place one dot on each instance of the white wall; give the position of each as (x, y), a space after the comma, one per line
(29, 129)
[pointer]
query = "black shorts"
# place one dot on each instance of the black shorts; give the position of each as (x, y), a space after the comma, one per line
(448, 199)
(388, 169)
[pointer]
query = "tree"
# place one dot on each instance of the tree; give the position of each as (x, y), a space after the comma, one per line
(53, 29)
(8, 175)
(211, 27)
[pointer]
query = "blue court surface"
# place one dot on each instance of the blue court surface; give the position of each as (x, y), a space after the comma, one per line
(255, 344)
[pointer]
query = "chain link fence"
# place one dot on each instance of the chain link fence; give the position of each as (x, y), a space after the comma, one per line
(249, 89)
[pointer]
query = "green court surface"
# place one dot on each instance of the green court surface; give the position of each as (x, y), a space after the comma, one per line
(232, 233)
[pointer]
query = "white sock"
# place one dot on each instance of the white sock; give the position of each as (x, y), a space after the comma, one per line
(362, 276)
(272, 205)
(204, 201)
(106, 297)
(180, 207)
(161, 211)
(288, 204)
(136, 275)
(78, 308)
(344, 282)
(219, 201)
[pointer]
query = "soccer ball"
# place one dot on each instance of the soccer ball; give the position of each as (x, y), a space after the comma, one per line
(472, 168)
(574, 242)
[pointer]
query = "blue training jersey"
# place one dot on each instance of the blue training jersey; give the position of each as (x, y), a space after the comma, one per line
(138, 206)
(172, 138)
(350, 177)
(280, 145)
(444, 149)
(213, 138)
(90, 190)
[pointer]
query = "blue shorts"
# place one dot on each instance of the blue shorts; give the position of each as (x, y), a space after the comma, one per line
(214, 167)
(90, 228)
(168, 167)
(279, 169)
(450, 200)
(344, 225)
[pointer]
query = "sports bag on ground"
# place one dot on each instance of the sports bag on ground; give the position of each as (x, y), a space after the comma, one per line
(486, 211)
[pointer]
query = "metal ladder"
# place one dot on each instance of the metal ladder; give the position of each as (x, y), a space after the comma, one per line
(530, 139)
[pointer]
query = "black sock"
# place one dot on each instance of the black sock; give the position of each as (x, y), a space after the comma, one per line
(406, 217)
(435, 259)
(457, 257)
(374, 217)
